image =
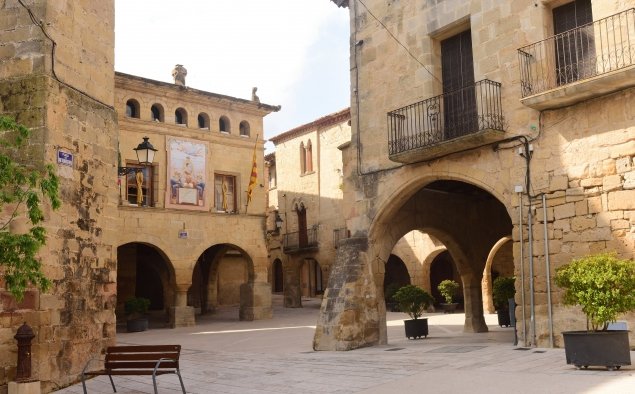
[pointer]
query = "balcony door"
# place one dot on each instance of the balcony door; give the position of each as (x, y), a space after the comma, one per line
(574, 43)
(459, 98)
(303, 238)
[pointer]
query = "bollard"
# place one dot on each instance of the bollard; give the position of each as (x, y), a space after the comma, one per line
(24, 337)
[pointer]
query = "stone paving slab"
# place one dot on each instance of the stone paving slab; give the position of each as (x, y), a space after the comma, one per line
(223, 355)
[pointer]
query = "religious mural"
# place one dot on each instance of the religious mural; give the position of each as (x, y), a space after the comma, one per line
(186, 174)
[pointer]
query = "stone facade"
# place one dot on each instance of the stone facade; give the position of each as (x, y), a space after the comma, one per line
(307, 196)
(66, 97)
(193, 232)
(571, 143)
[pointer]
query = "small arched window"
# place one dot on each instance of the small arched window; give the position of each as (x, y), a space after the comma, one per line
(309, 157)
(203, 121)
(156, 113)
(302, 158)
(223, 124)
(180, 117)
(244, 128)
(132, 108)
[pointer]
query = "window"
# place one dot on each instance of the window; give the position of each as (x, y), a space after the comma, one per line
(225, 193)
(302, 158)
(223, 124)
(132, 108)
(272, 177)
(309, 157)
(244, 128)
(574, 49)
(139, 186)
(180, 117)
(203, 121)
(156, 113)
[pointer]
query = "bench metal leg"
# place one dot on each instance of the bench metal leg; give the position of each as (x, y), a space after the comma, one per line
(154, 382)
(113, 384)
(180, 380)
(84, 383)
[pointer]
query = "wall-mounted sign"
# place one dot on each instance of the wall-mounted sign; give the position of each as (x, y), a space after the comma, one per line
(183, 234)
(64, 158)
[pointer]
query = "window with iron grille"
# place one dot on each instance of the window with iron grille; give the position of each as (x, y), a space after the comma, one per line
(225, 193)
(141, 186)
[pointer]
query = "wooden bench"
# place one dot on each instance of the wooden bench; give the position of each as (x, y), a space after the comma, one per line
(138, 360)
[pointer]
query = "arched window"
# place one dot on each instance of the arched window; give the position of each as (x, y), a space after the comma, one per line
(156, 113)
(309, 157)
(302, 158)
(203, 121)
(132, 108)
(180, 117)
(223, 124)
(244, 128)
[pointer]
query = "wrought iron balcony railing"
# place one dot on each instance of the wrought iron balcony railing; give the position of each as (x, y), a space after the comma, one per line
(300, 240)
(446, 117)
(587, 51)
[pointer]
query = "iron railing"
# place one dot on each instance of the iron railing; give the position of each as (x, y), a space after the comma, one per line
(442, 118)
(340, 234)
(301, 240)
(594, 49)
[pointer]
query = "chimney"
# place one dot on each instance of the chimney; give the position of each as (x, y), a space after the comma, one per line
(179, 74)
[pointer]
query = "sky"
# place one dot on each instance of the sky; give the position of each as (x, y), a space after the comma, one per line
(295, 51)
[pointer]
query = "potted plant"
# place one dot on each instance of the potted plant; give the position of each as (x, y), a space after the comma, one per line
(448, 289)
(391, 304)
(604, 286)
(413, 300)
(503, 288)
(136, 309)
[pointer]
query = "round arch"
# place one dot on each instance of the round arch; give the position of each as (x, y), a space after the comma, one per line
(486, 284)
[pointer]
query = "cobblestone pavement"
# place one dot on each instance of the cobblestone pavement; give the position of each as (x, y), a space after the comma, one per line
(224, 355)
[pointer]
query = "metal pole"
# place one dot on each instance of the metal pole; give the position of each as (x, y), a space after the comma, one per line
(522, 264)
(548, 270)
(530, 251)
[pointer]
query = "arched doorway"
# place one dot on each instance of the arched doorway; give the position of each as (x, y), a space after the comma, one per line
(144, 271)
(219, 274)
(278, 276)
(443, 268)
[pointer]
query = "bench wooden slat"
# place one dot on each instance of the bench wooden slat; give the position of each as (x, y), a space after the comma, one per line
(140, 356)
(143, 348)
(140, 364)
(127, 372)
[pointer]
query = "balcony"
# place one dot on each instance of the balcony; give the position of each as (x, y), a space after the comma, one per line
(589, 61)
(300, 241)
(452, 122)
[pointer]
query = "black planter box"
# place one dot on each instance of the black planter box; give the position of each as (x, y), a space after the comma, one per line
(604, 348)
(449, 308)
(136, 325)
(504, 319)
(416, 328)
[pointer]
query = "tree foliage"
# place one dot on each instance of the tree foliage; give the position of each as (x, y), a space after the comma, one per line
(602, 284)
(413, 300)
(448, 289)
(23, 188)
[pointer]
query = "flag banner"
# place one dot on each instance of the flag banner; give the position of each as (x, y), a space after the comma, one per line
(254, 176)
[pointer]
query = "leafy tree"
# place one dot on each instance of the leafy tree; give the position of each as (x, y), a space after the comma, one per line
(413, 300)
(23, 188)
(448, 289)
(504, 288)
(602, 284)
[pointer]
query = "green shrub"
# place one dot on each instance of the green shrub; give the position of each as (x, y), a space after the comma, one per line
(136, 306)
(602, 284)
(413, 300)
(390, 291)
(448, 289)
(503, 289)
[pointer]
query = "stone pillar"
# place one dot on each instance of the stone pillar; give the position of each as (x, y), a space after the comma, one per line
(255, 301)
(181, 315)
(474, 319)
(292, 287)
(351, 316)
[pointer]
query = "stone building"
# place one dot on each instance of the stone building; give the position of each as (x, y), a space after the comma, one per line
(305, 199)
(187, 240)
(57, 78)
(482, 124)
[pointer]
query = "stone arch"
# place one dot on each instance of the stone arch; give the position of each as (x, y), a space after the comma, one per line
(180, 116)
(158, 282)
(486, 284)
(244, 129)
(277, 276)
(203, 121)
(220, 276)
(224, 125)
(157, 113)
(132, 108)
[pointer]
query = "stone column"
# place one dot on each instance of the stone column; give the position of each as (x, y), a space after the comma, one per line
(181, 315)
(474, 319)
(255, 301)
(292, 287)
(350, 316)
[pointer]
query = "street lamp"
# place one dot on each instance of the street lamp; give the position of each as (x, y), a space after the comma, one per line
(145, 156)
(278, 221)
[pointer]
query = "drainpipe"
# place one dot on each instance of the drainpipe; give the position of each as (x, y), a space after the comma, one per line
(548, 271)
(530, 251)
(519, 189)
